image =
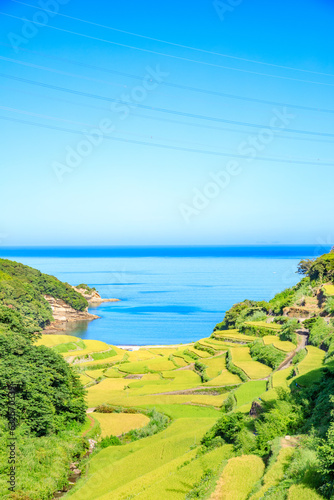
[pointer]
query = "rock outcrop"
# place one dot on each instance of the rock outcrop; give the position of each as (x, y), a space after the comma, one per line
(93, 297)
(64, 314)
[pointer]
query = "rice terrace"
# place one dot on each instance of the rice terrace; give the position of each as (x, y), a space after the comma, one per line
(242, 414)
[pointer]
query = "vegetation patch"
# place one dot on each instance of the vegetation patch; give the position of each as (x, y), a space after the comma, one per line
(242, 359)
(266, 354)
(239, 477)
(275, 473)
(246, 393)
(120, 423)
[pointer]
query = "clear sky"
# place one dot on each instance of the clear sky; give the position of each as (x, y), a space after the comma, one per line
(231, 143)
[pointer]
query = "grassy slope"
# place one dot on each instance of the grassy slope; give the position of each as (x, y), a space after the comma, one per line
(119, 423)
(115, 467)
(239, 477)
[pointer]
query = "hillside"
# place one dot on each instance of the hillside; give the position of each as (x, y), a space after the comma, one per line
(244, 414)
(40, 394)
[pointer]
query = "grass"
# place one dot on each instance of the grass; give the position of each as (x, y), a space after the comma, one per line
(310, 369)
(69, 346)
(120, 471)
(181, 362)
(215, 366)
(235, 335)
(115, 359)
(263, 324)
(100, 393)
(225, 378)
(119, 423)
(270, 395)
(312, 361)
(162, 351)
(176, 411)
(184, 376)
(41, 464)
(85, 379)
(139, 355)
(239, 477)
(53, 340)
(301, 492)
(180, 480)
(242, 359)
(282, 345)
(275, 473)
(329, 289)
(280, 379)
(109, 372)
(199, 352)
(91, 347)
(244, 408)
(159, 364)
(249, 391)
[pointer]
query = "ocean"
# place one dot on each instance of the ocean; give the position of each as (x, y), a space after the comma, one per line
(167, 295)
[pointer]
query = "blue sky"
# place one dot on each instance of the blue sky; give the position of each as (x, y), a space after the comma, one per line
(179, 165)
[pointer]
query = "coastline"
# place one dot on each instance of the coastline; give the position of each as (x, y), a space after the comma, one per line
(155, 346)
(63, 314)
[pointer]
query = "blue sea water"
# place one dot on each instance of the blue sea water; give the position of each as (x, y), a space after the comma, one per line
(167, 295)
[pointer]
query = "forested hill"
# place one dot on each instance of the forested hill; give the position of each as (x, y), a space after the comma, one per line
(39, 390)
(22, 289)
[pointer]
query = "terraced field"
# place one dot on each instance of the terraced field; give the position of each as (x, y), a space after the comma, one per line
(282, 345)
(166, 465)
(309, 370)
(249, 391)
(329, 289)
(118, 423)
(274, 473)
(230, 486)
(242, 359)
(263, 324)
(117, 472)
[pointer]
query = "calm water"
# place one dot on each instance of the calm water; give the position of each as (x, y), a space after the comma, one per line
(175, 296)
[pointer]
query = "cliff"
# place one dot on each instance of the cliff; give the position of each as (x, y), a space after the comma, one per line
(63, 314)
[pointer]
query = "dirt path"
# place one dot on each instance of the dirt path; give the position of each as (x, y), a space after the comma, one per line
(92, 422)
(303, 338)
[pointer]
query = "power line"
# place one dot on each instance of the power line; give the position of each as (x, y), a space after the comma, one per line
(163, 110)
(178, 44)
(168, 84)
(174, 148)
(90, 125)
(168, 120)
(59, 72)
(169, 55)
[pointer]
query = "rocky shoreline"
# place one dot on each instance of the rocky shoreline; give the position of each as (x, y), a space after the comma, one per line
(64, 315)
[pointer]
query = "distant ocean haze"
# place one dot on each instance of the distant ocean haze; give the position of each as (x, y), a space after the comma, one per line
(167, 294)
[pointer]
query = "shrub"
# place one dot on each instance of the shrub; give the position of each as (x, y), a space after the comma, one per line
(322, 269)
(281, 300)
(329, 306)
(200, 368)
(267, 354)
(230, 403)
(242, 312)
(289, 331)
(110, 441)
(235, 369)
(201, 347)
(227, 428)
(299, 356)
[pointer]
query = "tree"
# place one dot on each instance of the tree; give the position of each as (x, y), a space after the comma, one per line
(304, 266)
